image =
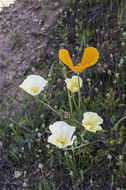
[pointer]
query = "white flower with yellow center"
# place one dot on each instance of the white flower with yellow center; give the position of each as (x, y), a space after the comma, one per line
(92, 122)
(33, 84)
(73, 84)
(61, 134)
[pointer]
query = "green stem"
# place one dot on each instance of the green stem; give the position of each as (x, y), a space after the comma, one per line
(83, 133)
(74, 148)
(116, 125)
(70, 104)
(74, 101)
(26, 188)
(78, 91)
(50, 107)
(24, 107)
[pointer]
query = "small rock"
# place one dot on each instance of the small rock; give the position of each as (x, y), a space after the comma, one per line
(17, 174)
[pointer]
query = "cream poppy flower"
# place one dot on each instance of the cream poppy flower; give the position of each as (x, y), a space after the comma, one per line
(33, 84)
(61, 134)
(72, 84)
(92, 122)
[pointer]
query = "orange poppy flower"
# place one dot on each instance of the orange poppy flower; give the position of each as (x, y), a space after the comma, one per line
(90, 57)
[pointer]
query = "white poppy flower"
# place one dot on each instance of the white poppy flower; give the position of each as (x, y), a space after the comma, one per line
(72, 84)
(61, 134)
(92, 122)
(33, 84)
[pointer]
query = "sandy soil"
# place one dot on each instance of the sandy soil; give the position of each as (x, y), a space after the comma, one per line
(24, 28)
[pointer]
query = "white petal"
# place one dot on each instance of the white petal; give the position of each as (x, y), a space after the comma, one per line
(60, 145)
(51, 139)
(87, 127)
(93, 117)
(68, 82)
(98, 128)
(72, 140)
(56, 128)
(75, 79)
(33, 81)
(60, 128)
(68, 131)
(72, 84)
(75, 89)
(69, 143)
(94, 120)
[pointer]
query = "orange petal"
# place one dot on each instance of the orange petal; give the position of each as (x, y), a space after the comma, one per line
(78, 68)
(65, 58)
(90, 57)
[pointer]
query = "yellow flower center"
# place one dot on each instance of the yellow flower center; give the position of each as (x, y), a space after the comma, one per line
(89, 124)
(34, 89)
(74, 84)
(62, 140)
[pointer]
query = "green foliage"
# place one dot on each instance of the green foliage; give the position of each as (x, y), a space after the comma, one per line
(120, 15)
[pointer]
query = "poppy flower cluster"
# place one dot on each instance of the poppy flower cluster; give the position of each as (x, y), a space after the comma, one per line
(62, 133)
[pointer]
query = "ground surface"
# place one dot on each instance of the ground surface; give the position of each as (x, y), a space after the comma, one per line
(24, 30)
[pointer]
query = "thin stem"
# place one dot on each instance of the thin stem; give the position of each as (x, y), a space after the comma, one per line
(83, 133)
(70, 104)
(24, 107)
(50, 107)
(74, 101)
(74, 163)
(26, 188)
(78, 91)
(74, 148)
(116, 125)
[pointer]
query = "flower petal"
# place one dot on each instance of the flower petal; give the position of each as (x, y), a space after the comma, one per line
(51, 139)
(92, 121)
(57, 129)
(72, 140)
(68, 82)
(73, 84)
(98, 128)
(90, 57)
(62, 128)
(93, 117)
(61, 134)
(33, 84)
(65, 58)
